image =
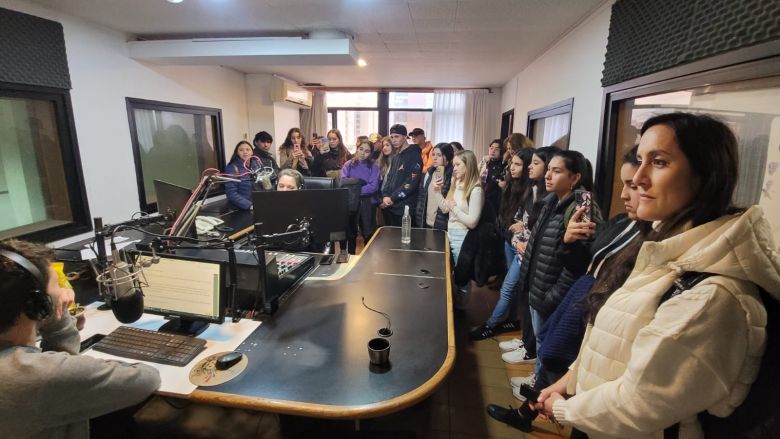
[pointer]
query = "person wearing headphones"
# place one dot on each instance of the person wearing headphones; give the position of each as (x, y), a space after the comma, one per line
(289, 180)
(51, 390)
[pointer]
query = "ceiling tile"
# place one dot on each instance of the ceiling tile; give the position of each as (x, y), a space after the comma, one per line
(434, 9)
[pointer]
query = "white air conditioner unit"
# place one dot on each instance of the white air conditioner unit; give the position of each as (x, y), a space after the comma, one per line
(285, 91)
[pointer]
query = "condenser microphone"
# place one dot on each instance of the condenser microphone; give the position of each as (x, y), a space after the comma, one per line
(119, 283)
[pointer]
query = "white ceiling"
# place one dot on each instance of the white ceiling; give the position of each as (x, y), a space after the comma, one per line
(407, 43)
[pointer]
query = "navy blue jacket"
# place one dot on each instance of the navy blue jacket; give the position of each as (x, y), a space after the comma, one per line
(403, 179)
(240, 194)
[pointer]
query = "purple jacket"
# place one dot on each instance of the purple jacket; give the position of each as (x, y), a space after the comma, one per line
(362, 171)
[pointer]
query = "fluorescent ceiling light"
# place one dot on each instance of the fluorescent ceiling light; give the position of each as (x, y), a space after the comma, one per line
(175, 1)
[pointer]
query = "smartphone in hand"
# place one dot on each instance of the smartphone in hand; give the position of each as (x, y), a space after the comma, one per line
(584, 198)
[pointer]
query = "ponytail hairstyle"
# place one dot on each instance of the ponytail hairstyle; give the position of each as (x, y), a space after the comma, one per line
(545, 153)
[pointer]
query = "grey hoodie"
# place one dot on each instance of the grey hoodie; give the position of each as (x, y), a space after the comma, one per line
(53, 392)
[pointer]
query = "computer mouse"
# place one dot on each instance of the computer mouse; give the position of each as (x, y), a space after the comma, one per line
(226, 361)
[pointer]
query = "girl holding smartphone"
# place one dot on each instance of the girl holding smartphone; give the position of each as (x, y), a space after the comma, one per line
(434, 187)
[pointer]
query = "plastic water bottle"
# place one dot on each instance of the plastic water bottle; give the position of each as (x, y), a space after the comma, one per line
(406, 227)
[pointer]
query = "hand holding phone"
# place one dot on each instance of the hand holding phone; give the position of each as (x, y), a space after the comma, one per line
(584, 199)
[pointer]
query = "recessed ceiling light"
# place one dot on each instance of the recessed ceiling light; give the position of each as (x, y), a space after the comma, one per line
(175, 1)
(361, 62)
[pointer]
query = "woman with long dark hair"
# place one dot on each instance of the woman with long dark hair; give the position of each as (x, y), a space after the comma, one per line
(653, 360)
(294, 153)
(434, 187)
(512, 217)
(331, 157)
(523, 350)
(241, 165)
(606, 259)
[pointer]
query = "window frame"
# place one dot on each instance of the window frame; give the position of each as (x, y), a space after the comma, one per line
(145, 104)
(71, 160)
(565, 106)
(745, 64)
(383, 108)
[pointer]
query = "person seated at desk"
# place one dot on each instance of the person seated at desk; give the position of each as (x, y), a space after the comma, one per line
(289, 180)
(52, 391)
(294, 154)
(241, 166)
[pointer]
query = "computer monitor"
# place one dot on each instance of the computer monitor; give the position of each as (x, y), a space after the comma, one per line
(191, 293)
(325, 208)
(171, 198)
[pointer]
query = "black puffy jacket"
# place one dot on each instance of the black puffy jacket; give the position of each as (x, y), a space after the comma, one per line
(543, 274)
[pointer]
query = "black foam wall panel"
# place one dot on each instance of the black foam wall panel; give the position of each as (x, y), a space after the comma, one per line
(32, 51)
(647, 36)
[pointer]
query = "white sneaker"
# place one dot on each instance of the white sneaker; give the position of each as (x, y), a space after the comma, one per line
(516, 393)
(510, 345)
(519, 381)
(518, 356)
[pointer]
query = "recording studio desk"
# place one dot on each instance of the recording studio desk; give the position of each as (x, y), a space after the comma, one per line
(311, 359)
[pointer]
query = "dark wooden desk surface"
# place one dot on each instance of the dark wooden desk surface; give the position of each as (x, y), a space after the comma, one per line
(311, 357)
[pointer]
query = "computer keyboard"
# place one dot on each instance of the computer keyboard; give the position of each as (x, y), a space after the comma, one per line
(157, 347)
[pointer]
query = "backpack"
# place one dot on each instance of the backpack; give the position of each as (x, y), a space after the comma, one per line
(759, 415)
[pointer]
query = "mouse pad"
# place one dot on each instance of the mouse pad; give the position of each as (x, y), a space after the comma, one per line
(205, 372)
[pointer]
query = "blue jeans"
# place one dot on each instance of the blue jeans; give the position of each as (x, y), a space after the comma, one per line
(537, 320)
(508, 294)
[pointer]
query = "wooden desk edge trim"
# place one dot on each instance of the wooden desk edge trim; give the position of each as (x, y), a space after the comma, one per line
(346, 411)
(299, 408)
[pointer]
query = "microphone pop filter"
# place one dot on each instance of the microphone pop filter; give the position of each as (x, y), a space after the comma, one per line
(129, 307)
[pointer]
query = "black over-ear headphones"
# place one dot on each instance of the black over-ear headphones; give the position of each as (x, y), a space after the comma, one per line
(38, 306)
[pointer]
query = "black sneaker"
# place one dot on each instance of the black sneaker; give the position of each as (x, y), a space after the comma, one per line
(507, 326)
(511, 417)
(481, 333)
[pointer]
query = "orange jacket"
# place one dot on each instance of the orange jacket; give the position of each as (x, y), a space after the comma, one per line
(427, 156)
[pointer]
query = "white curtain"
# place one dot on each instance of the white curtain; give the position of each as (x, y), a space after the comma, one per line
(448, 116)
(477, 129)
(315, 119)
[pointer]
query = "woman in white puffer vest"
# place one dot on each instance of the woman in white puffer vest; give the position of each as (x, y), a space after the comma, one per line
(643, 367)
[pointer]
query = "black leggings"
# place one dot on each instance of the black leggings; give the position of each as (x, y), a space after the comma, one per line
(364, 221)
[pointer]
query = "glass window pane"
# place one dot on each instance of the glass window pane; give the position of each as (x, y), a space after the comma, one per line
(33, 189)
(412, 120)
(402, 99)
(174, 147)
(356, 123)
(552, 131)
(749, 108)
(351, 99)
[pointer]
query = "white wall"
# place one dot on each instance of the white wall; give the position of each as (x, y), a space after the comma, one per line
(102, 75)
(286, 116)
(571, 68)
(266, 115)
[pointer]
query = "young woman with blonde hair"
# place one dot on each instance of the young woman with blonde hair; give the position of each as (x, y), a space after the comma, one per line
(464, 204)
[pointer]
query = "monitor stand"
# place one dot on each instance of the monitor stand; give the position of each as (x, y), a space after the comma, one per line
(191, 328)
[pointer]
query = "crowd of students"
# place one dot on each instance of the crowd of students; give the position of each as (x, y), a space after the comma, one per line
(386, 174)
(621, 346)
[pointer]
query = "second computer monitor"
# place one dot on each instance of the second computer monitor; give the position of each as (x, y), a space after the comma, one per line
(326, 209)
(171, 198)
